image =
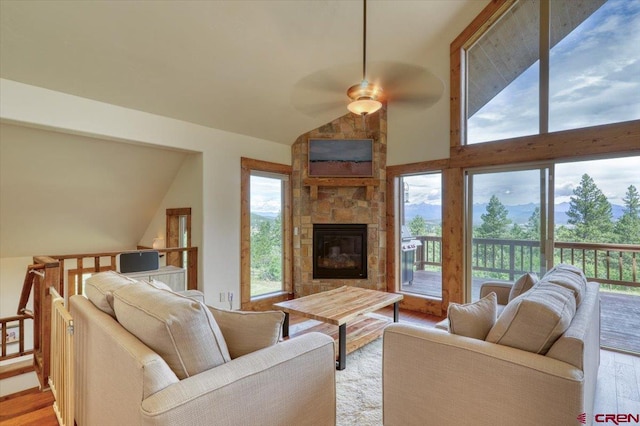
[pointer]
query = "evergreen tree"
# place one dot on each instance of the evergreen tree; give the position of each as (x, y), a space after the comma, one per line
(590, 212)
(627, 228)
(533, 225)
(495, 222)
(266, 249)
(418, 226)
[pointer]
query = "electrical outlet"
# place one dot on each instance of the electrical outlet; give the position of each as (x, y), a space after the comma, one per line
(222, 296)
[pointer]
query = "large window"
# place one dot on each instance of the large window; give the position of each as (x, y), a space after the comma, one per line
(507, 224)
(594, 75)
(265, 233)
(503, 76)
(589, 73)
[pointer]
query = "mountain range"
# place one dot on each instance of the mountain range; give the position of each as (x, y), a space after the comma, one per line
(518, 214)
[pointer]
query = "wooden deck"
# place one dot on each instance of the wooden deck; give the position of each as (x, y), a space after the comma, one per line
(620, 313)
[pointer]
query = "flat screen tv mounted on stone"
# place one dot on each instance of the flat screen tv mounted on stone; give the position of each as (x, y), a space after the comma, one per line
(138, 261)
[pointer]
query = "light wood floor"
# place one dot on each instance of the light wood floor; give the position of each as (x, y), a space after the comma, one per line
(618, 388)
(30, 409)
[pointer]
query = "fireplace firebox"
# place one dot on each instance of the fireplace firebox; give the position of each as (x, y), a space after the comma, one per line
(340, 251)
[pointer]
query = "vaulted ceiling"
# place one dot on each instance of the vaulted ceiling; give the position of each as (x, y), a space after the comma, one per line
(62, 193)
(230, 65)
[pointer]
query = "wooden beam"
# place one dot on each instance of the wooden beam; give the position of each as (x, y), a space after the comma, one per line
(579, 144)
(452, 237)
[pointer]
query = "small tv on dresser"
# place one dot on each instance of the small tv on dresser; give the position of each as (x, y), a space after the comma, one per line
(137, 261)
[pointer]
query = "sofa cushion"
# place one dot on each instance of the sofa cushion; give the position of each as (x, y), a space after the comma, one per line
(246, 332)
(473, 319)
(158, 284)
(181, 330)
(534, 320)
(523, 284)
(570, 277)
(99, 289)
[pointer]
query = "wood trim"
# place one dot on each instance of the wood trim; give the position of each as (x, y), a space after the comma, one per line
(392, 249)
(423, 304)
(265, 166)
(266, 302)
(485, 19)
(172, 233)
(578, 144)
(415, 168)
(452, 237)
(182, 211)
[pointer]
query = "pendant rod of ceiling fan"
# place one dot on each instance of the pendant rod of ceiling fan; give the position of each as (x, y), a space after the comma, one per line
(364, 41)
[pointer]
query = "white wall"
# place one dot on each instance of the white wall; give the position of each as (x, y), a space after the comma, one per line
(221, 153)
(432, 142)
(185, 191)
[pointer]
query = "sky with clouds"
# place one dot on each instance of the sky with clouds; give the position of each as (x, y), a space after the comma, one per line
(594, 78)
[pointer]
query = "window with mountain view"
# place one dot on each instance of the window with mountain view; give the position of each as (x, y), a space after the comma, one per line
(421, 236)
(266, 200)
(594, 69)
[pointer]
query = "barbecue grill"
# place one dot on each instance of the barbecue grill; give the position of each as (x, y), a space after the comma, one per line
(408, 247)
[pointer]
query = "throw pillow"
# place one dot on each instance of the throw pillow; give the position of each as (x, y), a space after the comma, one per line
(536, 319)
(570, 277)
(523, 284)
(473, 319)
(246, 332)
(181, 330)
(99, 289)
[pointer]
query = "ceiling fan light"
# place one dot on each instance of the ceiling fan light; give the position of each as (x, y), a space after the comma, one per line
(364, 106)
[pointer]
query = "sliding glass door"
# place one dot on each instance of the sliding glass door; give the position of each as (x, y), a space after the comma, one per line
(507, 223)
(420, 239)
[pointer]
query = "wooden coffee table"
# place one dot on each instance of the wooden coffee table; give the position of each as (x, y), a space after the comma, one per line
(341, 306)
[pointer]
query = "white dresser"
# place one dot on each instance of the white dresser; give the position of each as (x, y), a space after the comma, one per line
(172, 276)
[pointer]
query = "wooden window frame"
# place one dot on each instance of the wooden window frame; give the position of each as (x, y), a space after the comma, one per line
(588, 143)
(265, 302)
(172, 238)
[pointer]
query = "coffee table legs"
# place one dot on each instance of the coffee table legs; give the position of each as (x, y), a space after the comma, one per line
(285, 325)
(341, 364)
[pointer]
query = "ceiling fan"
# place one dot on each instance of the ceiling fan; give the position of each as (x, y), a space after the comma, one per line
(396, 83)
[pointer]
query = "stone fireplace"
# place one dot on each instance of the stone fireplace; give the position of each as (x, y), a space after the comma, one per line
(340, 251)
(341, 201)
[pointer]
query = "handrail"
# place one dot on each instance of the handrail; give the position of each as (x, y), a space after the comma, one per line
(75, 275)
(27, 286)
(607, 263)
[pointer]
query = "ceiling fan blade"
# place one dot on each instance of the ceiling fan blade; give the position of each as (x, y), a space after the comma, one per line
(325, 90)
(412, 85)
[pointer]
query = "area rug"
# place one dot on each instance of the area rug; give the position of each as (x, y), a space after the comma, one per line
(359, 387)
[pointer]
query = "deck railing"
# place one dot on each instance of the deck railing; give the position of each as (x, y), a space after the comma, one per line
(613, 264)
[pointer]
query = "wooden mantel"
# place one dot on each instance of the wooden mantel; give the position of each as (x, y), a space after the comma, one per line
(314, 183)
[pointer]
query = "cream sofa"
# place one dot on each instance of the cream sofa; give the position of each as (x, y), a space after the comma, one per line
(122, 381)
(431, 376)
